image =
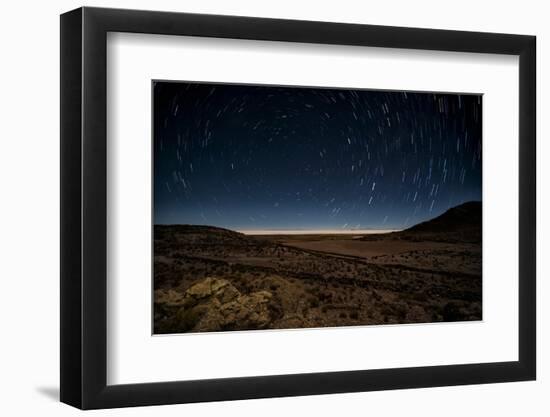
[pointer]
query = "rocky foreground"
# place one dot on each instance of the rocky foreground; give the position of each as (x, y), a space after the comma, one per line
(214, 304)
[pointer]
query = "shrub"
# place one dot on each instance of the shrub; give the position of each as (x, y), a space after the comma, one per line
(451, 312)
(313, 302)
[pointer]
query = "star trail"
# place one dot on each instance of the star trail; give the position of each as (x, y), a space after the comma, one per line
(249, 157)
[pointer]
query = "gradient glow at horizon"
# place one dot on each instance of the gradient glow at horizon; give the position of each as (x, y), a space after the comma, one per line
(249, 157)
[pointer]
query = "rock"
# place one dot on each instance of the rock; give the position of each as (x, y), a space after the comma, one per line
(169, 298)
(247, 312)
(229, 293)
(215, 304)
(207, 288)
(167, 303)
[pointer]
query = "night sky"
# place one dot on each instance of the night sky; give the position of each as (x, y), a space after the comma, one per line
(266, 157)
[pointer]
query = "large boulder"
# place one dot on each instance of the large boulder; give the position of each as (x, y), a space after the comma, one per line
(246, 312)
(208, 288)
(213, 304)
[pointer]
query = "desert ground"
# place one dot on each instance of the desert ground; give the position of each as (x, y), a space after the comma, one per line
(213, 279)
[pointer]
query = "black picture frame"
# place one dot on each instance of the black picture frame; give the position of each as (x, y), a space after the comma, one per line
(84, 207)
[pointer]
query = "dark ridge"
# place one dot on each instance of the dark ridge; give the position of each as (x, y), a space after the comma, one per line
(459, 218)
(460, 224)
(201, 235)
(194, 228)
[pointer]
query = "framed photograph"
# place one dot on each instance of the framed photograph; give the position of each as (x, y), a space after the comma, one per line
(256, 208)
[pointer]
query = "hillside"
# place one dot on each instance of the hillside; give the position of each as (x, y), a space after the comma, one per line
(460, 224)
(197, 234)
(456, 219)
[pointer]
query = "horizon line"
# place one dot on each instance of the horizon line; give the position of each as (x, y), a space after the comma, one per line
(315, 231)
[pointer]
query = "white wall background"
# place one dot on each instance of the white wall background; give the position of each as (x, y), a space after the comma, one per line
(29, 209)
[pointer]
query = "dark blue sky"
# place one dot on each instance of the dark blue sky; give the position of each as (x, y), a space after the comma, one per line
(261, 157)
